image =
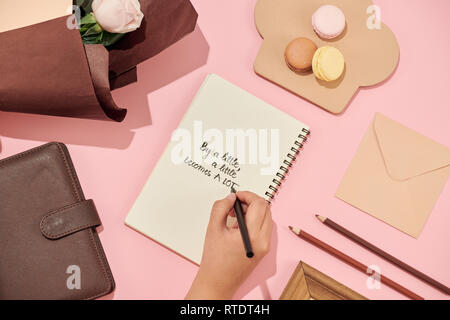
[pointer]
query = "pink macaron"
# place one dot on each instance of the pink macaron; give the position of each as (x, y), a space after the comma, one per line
(328, 21)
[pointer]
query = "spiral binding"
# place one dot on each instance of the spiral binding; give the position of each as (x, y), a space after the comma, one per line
(287, 164)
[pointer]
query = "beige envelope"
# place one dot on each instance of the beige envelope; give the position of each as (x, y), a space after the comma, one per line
(396, 175)
(16, 14)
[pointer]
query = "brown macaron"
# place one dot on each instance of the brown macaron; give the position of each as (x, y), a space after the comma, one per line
(299, 54)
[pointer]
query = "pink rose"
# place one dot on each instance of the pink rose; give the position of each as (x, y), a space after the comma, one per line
(118, 16)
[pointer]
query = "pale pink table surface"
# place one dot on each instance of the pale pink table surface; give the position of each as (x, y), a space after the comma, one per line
(114, 160)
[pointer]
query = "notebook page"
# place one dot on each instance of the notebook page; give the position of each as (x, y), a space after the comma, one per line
(222, 123)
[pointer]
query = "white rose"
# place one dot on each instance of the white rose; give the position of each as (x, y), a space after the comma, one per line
(118, 16)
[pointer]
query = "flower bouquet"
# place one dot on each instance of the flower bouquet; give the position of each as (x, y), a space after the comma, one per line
(66, 64)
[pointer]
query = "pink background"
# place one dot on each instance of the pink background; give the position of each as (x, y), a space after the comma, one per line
(114, 160)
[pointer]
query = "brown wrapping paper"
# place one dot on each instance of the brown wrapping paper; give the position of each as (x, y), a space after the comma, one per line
(46, 69)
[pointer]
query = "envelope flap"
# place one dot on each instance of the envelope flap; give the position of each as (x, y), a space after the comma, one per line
(407, 153)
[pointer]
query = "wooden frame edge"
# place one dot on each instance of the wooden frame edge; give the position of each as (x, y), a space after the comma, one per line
(308, 283)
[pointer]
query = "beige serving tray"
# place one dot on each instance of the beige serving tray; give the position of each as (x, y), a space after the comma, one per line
(371, 54)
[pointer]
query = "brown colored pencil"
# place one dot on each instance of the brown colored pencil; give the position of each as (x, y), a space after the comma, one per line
(354, 263)
(383, 254)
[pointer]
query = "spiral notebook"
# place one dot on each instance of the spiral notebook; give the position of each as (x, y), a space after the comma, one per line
(227, 138)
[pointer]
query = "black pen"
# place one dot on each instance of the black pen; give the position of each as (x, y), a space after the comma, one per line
(242, 226)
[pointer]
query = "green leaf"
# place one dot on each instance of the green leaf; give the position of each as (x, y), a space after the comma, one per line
(86, 5)
(86, 27)
(88, 19)
(92, 36)
(111, 38)
(95, 29)
(93, 39)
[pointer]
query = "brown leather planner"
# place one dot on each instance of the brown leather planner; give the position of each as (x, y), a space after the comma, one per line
(49, 246)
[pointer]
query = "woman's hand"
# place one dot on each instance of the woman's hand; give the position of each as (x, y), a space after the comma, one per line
(224, 265)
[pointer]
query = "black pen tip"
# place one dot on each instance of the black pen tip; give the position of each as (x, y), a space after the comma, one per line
(233, 190)
(250, 254)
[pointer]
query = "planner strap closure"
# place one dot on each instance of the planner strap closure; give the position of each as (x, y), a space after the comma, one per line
(70, 219)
